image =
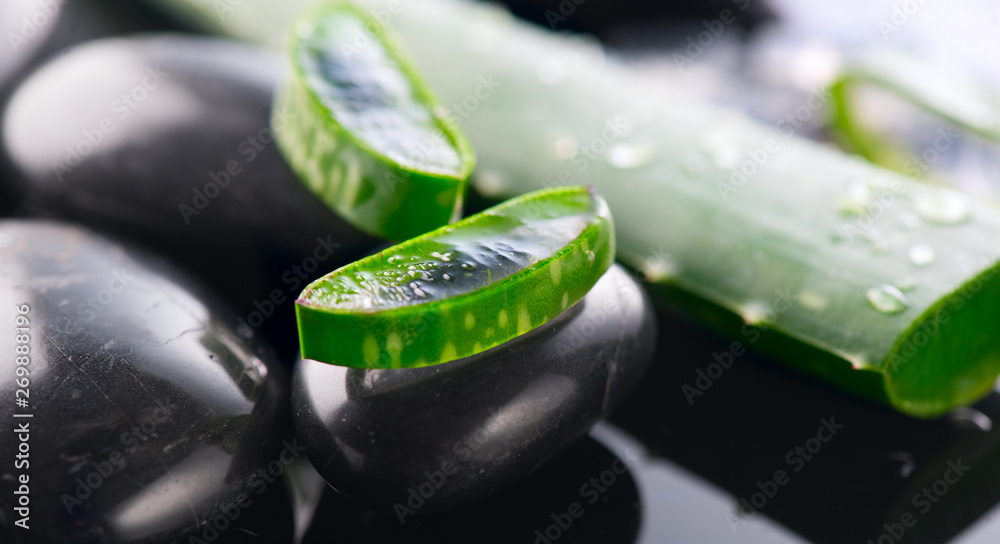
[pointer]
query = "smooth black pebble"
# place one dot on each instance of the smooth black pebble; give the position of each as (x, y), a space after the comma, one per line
(444, 435)
(166, 140)
(149, 417)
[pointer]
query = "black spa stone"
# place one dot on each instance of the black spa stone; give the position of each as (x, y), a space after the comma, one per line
(444, 435)
(166, 140)
(144, 416)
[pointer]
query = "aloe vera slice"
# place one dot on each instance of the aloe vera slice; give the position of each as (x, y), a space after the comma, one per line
(365, 132)
(951, 95)
(730, 250)
(463, 288)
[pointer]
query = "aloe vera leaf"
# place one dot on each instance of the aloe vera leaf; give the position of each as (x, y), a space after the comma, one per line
(366, 135)
(950, 94)
(732, 251)
(804, 241)
(463, 288)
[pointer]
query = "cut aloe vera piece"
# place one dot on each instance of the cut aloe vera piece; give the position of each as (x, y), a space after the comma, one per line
(786, 245)
(366, 135)
(463, 288)
(952, 95)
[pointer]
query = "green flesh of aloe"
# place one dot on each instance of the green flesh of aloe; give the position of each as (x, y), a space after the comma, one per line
(365, 133)
(842, 270)
(463, 288)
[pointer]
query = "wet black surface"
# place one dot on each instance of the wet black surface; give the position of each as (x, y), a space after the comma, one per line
(166, 141)
(431, 438)
(143, 415)
(586, 494)
(745, 424)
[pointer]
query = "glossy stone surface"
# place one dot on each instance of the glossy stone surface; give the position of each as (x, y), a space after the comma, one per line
(585, 495)
(463, 430)
(25, 28)
(166, 140)
(149, 415)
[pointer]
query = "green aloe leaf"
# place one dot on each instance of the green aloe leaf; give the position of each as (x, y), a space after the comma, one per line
(366, 134)
(870, 280)
(463, 288)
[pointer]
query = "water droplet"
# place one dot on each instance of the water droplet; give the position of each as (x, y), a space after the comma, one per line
(905, 284)
(658, 269)
(468, 266)
(756, 313)
(971, 419)
(910, 220)
(942, 206)
(727, 157)
(693, 164)
(590, 257)
(887, 299)
(564, 148)
(417, 291)
(446, 277)
(921, 255)
(724, 149)
(812, 301)
(856, 198)
(631, 154)
(489, 183)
